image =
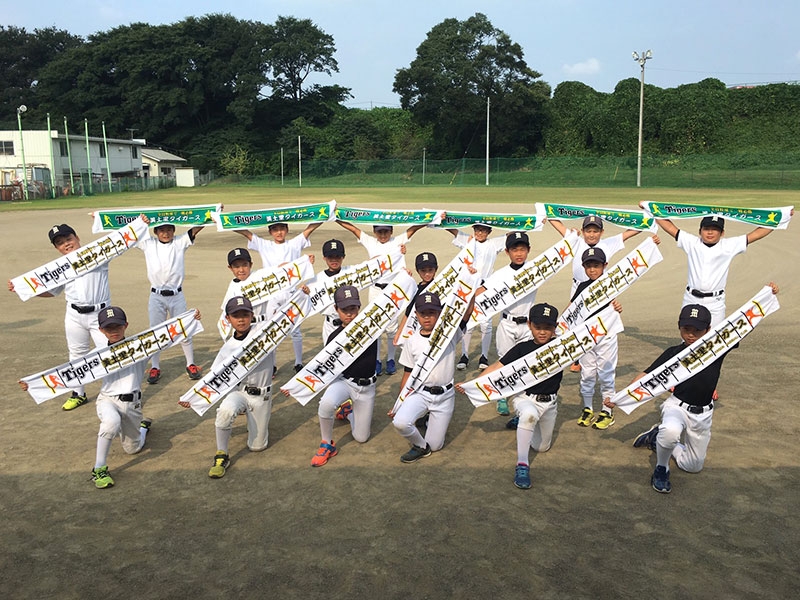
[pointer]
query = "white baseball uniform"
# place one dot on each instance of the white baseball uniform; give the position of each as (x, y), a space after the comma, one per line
(85, 296)
(513, 326)
(485, 254)
(330, 318)
(436, 397)
(708, 268)
(253, 397)
(273, 255)
(609, 245)
(165, 271)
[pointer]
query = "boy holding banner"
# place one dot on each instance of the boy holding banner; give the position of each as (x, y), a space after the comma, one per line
(277, 251)
(333, 254)
(383, 243)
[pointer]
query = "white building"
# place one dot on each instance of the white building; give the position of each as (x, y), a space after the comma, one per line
(159, 163)
(55, 153)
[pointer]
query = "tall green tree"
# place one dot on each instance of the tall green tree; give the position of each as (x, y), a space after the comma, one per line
(458, 67)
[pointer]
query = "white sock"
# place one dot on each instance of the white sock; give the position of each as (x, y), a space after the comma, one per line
(103, 447)
(188, 352)
(326, 428)
(223, 437)
(524, 439)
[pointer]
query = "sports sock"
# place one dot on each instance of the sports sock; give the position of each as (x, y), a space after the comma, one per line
(223, 437)
(524, 438)
(326, 428)
(103, 447)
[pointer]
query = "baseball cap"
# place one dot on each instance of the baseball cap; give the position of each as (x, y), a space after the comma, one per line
(713, 221)
(592, 220)
(695, 315)
(277, 224)
(428, 301)
(543, 314)
(161, 224)
(482, 225)
(346, 296)
(239, 254)
(382, 228)
(516, 238)
(333, 247)
(426, 259)
(238, 303)
(113, 315)
(60, 230)
(593, 254)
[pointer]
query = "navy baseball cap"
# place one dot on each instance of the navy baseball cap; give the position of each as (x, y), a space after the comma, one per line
(695, 315)
(516, 238)
(239, 254)
(428, 301)
(426, 260)
(238, 303)
(543, 314)
(62, 230)
(713, 221)
(113, 315)
(382, 228)
(593, 254)
(346, 296)
(592, 220)
(333, 247)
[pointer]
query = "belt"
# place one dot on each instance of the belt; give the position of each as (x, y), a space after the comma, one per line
(85, 310)
(542, 397)
(166, 292)
(696, 410)
(437, 390)
(335, 321)
(129, 397)
(363, 380)
(252, 390)
(381, 285)
(517, 320)
(699, 294)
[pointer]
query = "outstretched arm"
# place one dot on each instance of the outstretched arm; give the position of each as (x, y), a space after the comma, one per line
(413, 229)
(757, 234)
(629, 233)
(558, 226)
(246, 233)
(351, 228)
(310, 229)
(668, 227)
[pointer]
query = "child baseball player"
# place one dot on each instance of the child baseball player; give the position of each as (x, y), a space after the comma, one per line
(164, 256)
(591, 236)
(709, 259)
(598, 365)
(437, 396)
(278, 251)
(513, 327)
(383, 243)
(86, 296)
(426, 265)
(119, 403)
(537, 407)
(333, 253)
(351, 396)
(252, 398)
(686, 415)
(486, 250)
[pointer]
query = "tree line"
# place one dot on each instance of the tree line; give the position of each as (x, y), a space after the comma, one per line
(229, 94)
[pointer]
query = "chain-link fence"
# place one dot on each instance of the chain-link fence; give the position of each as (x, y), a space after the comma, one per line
(82, 186)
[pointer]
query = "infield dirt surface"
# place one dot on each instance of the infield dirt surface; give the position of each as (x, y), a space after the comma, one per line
(366, 525)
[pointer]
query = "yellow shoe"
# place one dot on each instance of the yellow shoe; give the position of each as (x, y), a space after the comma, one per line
(586, 417)
(604, 420)
(221, 462)
(74, 402)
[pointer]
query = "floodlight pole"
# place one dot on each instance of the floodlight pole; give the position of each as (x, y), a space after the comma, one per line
(21, 109)
(641, 60)
(487, 140)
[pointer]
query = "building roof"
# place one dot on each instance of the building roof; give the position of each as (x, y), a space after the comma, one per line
(161, 155)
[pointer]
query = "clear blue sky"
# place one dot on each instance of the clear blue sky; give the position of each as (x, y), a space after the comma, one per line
(736, 41)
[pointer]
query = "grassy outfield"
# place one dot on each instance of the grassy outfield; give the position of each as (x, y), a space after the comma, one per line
(478, 199)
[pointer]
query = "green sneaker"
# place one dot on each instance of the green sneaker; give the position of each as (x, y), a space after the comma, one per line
(74, 401)
(586, 417)
(102, 478)
(221, 462)
(502, 407)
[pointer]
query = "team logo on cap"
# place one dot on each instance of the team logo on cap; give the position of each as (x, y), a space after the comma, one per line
(517, 236)
(240, 302)
(110, 311)
(591, 252)
(348, 294)
(694, 314)
(546, 311)
(425, 257)
(333, 245)
(237, 252)
(428, 298)
(55, 229)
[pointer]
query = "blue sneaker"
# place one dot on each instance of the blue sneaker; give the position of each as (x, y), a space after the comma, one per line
(502, 407)
(660, 480)
(513, 423)
(647, 439)
(378, 367)
(391, 369)
(522, 476)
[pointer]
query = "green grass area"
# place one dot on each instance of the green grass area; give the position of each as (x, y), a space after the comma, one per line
(474, 198)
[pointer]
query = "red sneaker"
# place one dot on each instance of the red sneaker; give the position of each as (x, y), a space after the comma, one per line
(344, 410)
(154, 375)
(194, 371)
(324, 454)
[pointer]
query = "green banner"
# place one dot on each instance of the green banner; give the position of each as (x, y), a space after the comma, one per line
(188, 216)
(629, 219)
(264, 217)
(514, 222)
(777, 218)
(381, 216)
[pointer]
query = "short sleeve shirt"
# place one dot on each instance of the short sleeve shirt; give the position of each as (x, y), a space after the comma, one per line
(709, 265)
(376, 248)
(273, 255)
(485, 253)
(165, 264)
(549, 385)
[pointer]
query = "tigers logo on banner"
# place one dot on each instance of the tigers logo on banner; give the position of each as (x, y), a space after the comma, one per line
(187, 216)
(353, 340)
(95, 365)
(542, 363)
(79, 262)
(216, 384)
(501, 221)
(254, 219)
(453, 310)
(611, 284)
(639, 220)
(776, 218)
(265, 283)
(506, 286)
(378, 216)
(441, 286)
(700, 354)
